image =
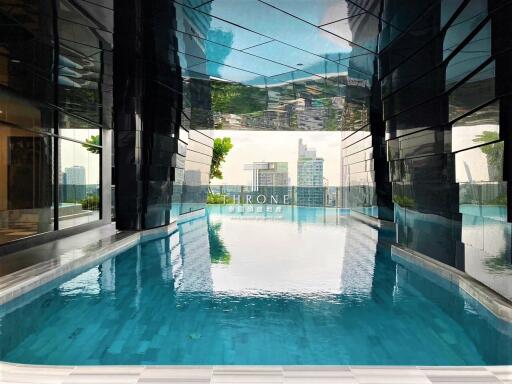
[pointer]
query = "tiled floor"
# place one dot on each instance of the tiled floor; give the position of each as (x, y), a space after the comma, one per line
(11, 373)
(53, 249)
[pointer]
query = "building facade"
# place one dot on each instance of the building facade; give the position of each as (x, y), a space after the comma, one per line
(310, 177)
(268, 174)
(432, 155)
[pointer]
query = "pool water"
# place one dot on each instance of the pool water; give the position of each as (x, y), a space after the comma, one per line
(293, 286)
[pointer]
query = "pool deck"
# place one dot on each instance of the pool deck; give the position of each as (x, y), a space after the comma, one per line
(14, 373)
(33, 267)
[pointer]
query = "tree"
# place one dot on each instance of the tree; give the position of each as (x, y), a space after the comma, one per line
(91, 142)
(221, 148)
(493, 152)
(238, 99)
(218, 252)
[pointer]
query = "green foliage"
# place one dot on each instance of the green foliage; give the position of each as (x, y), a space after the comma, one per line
(404, 201)
(498, 264)
(218, 251)
(332, 119)
(94, 140)
(221, 148)
(498, 200)
(217, 198)
(237, 98)
(486, 137)
(91, 203)
(493, 152)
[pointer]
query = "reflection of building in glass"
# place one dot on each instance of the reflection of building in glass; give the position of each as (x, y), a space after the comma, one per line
(311, 119)
(268, 174)
(75, 175)
(74, 188)
(310, 177)
(195, 266)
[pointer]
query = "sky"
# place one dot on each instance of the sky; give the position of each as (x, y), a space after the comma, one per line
(248, 147)
(72, 153)
(251, 146)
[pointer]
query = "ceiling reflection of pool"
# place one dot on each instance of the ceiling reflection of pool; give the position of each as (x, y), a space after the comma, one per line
(299, 286)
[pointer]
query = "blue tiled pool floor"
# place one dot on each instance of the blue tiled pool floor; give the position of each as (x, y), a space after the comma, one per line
(241, 289)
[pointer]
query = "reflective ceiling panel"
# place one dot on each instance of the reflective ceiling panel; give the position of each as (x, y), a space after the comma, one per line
(361, 29)
(194, 3)
(245, 61)
(218, 31)
(284, 58)
(287, 54)
(322, 11)
(273, 23)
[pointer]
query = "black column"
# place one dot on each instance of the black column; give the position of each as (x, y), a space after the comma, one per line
(501, 50)
(147, 110)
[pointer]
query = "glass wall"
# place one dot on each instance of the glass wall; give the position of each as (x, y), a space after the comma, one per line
(55, 98)
(26, 190)
(79, 183)
(445, 108)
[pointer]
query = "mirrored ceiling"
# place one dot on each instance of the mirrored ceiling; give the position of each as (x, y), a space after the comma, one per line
(284, 55)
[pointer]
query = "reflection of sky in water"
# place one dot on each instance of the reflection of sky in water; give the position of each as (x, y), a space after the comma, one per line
(295, 289)
(253, 246)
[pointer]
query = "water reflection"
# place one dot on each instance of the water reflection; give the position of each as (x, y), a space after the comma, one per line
(293, 292)
(218, 251)
(195, 257)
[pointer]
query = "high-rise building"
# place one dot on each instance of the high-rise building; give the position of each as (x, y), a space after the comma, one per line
(75, 175)
(310, 177)
(74, 185)
(268, 174)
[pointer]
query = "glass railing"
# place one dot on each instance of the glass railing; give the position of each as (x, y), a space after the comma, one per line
(285, 195)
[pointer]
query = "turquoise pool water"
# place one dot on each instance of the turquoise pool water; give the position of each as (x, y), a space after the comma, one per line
(294, 286)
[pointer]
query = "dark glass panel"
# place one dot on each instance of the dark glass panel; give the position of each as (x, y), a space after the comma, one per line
(78, 129)
(480, 164)
(421, 90)
(418, 118)
(481, 127)
(427, 142)
(422, 31)
(196, 175)
(448, 8)
(486, 233)
(470, 57)
(476, 91)
(26, 191)
(90, 36)
(472, 14)
(17, 112)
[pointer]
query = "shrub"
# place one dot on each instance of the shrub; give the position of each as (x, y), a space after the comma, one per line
(217, 198)
(91, 203)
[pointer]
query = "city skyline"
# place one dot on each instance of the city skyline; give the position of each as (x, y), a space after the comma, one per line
(252, 147)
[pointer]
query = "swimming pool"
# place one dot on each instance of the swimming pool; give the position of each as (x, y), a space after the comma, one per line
(287, 286)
